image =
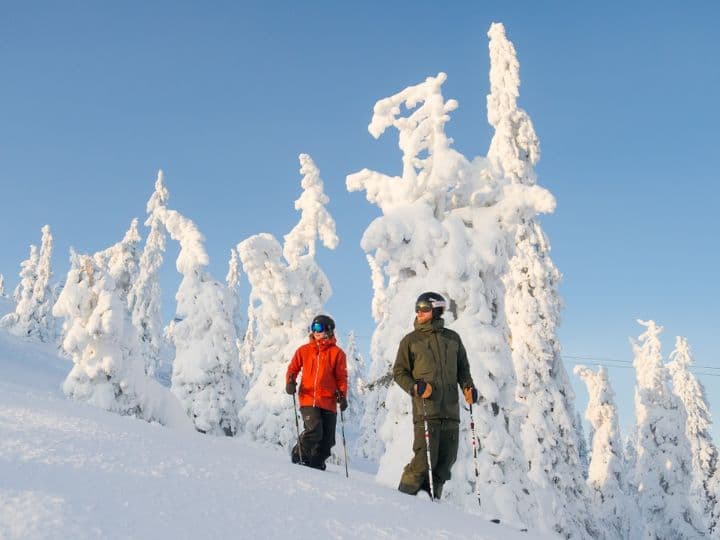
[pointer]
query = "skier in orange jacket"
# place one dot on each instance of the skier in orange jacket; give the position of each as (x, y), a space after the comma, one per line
(323, 386)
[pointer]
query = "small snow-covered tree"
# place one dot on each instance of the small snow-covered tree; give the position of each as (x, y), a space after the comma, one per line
(34, 295)
(664, 463)
(356, 380)
(144, 297)
(2, 287)
(357, 393)
(606, 475)
(704, 452)
(287, 289)
(17, 321)
(101, 340)
(206, 358)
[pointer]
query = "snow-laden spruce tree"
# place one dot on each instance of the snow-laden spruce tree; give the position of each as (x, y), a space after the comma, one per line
(204, 375)
(102, 342)
(144, 297)
(122, 260)
(287, 289)
(698, 430)
(443, 229)
(35, 295)
(663, 470)
(356, 369)
(532, 306)
(606, 475)
(3, 294)
(233, 282)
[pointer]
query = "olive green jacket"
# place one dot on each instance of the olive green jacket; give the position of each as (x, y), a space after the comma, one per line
(436, 355)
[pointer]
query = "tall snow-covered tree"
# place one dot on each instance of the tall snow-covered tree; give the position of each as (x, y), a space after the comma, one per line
(144, 297)
(607, 474)
(532, 305)
(443, 228)
(664, 462)
(101, 340)
(287, 289)
(704, 452)
(43, 291)
(2, 287)
(206, 358)
(34, 295)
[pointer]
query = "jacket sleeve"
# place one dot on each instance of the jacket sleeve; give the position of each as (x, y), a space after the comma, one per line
(463, 367)
(402, 372)
(294, 367)
(341, 377)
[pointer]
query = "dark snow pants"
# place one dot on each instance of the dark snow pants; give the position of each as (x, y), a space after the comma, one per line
(318, 437)
(443, 453)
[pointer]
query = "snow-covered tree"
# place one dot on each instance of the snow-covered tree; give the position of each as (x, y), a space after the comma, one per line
(606, 475)
(704, 452)
(144, 300)
(102, 342)
(35, 295)
(2, 287)
(356, 380)
(206, 357)
(122, 260)
(444, 228)
(532, 306)
(287, 289)
(664, 462)
(17, 321)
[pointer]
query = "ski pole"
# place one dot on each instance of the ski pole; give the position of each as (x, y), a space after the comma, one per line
(427, 448)
(342, 429)
(475, 456)
(297, 428)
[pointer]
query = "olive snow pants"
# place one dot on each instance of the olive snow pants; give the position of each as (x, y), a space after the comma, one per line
(318, 437)
(443, 453)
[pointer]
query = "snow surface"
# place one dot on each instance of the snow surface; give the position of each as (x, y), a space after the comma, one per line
(70, 470)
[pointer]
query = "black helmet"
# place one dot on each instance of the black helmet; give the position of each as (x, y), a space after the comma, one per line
(322, 323)
(431, 301)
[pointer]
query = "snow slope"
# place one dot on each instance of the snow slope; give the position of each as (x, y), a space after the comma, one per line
(68, 470)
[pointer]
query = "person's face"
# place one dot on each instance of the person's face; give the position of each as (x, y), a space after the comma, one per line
(423, 316)
(319, 335)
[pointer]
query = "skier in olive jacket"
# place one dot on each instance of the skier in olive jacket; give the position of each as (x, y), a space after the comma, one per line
(431, 362)
(323, 387)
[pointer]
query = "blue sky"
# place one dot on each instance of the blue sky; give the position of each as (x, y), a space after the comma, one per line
(223, 96)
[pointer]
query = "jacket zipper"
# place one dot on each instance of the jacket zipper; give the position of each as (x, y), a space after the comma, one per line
(317, 369)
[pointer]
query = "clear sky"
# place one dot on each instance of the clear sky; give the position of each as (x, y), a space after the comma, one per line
(223, 96)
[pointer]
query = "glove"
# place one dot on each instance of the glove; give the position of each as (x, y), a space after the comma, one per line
(495, 408)
(422, 389)
(291, 387)
(341, 400)
(471, 395)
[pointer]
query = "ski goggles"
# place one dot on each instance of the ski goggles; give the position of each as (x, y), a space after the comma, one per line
(318, 327)
(425, 306)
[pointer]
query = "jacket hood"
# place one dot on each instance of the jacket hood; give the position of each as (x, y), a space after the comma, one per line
(323, 343)
(433, 325)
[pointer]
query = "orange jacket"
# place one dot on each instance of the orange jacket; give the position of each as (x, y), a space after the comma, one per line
(324, 370)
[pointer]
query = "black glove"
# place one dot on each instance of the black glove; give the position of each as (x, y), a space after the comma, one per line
(291, 387)
(495, 408)
(341, 400)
